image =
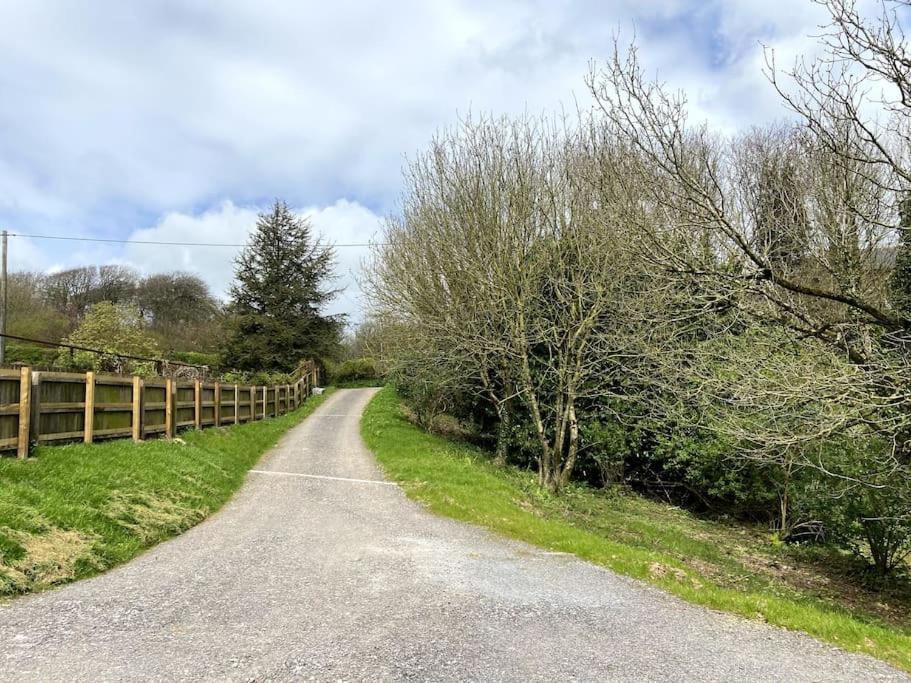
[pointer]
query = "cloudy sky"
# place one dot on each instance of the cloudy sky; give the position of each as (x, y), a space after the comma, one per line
(178, 121)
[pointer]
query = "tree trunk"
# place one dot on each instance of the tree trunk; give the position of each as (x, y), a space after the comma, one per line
(572, 450)
(545, 466)
(504, 418)
(784, 504)
(550, 479)
(504, 427)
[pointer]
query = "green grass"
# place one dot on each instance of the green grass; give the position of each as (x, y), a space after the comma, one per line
(76, 510)
(725, 567)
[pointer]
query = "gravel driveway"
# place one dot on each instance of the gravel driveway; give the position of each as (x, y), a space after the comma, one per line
(319, 569)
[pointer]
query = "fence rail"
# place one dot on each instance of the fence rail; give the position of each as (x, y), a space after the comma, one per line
(38, 407)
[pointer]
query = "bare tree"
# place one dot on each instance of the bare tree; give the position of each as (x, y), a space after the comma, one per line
(514, 264)
(72, 291)
(802, 244)
(796, 232)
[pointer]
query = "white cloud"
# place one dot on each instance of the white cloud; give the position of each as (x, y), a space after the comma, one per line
(121, 115)
(169, 104)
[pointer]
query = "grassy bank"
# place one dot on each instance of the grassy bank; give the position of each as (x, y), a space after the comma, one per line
(78, 509)
(726, 567)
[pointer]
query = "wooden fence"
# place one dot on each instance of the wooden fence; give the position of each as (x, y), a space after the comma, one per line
(39, 407)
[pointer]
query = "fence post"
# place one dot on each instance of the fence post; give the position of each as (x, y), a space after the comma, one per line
(34, 421)
(276, 398)
(169, 408)
(25, 387)
(89, 406)
(137, 408)
(252, 402)
(197, 404)
(265, 399)
(217, 409)
(236, 404)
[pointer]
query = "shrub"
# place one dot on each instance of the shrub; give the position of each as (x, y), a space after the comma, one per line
(354, 370)
(869, 516)
(606, 447)
(262, 378)
(31, 355)
(696, 468)
(212, 360)
(114, 329)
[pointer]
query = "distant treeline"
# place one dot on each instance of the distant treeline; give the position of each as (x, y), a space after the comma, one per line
(178, 309)
(272, 321)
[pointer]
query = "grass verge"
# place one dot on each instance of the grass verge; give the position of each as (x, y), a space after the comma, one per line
(724, 567)
(76, 510)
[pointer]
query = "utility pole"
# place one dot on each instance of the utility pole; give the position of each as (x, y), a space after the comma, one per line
(3, 298)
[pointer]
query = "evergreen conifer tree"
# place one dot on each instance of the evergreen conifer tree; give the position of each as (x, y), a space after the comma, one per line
(281, 286)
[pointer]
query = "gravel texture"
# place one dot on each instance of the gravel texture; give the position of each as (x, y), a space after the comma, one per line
(303, 577)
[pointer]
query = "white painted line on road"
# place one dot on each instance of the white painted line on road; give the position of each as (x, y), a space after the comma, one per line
(323, 476)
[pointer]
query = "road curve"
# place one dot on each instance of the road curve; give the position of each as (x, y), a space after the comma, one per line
(319, 569)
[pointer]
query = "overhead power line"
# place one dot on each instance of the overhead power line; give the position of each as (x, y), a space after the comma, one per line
(163, 243)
